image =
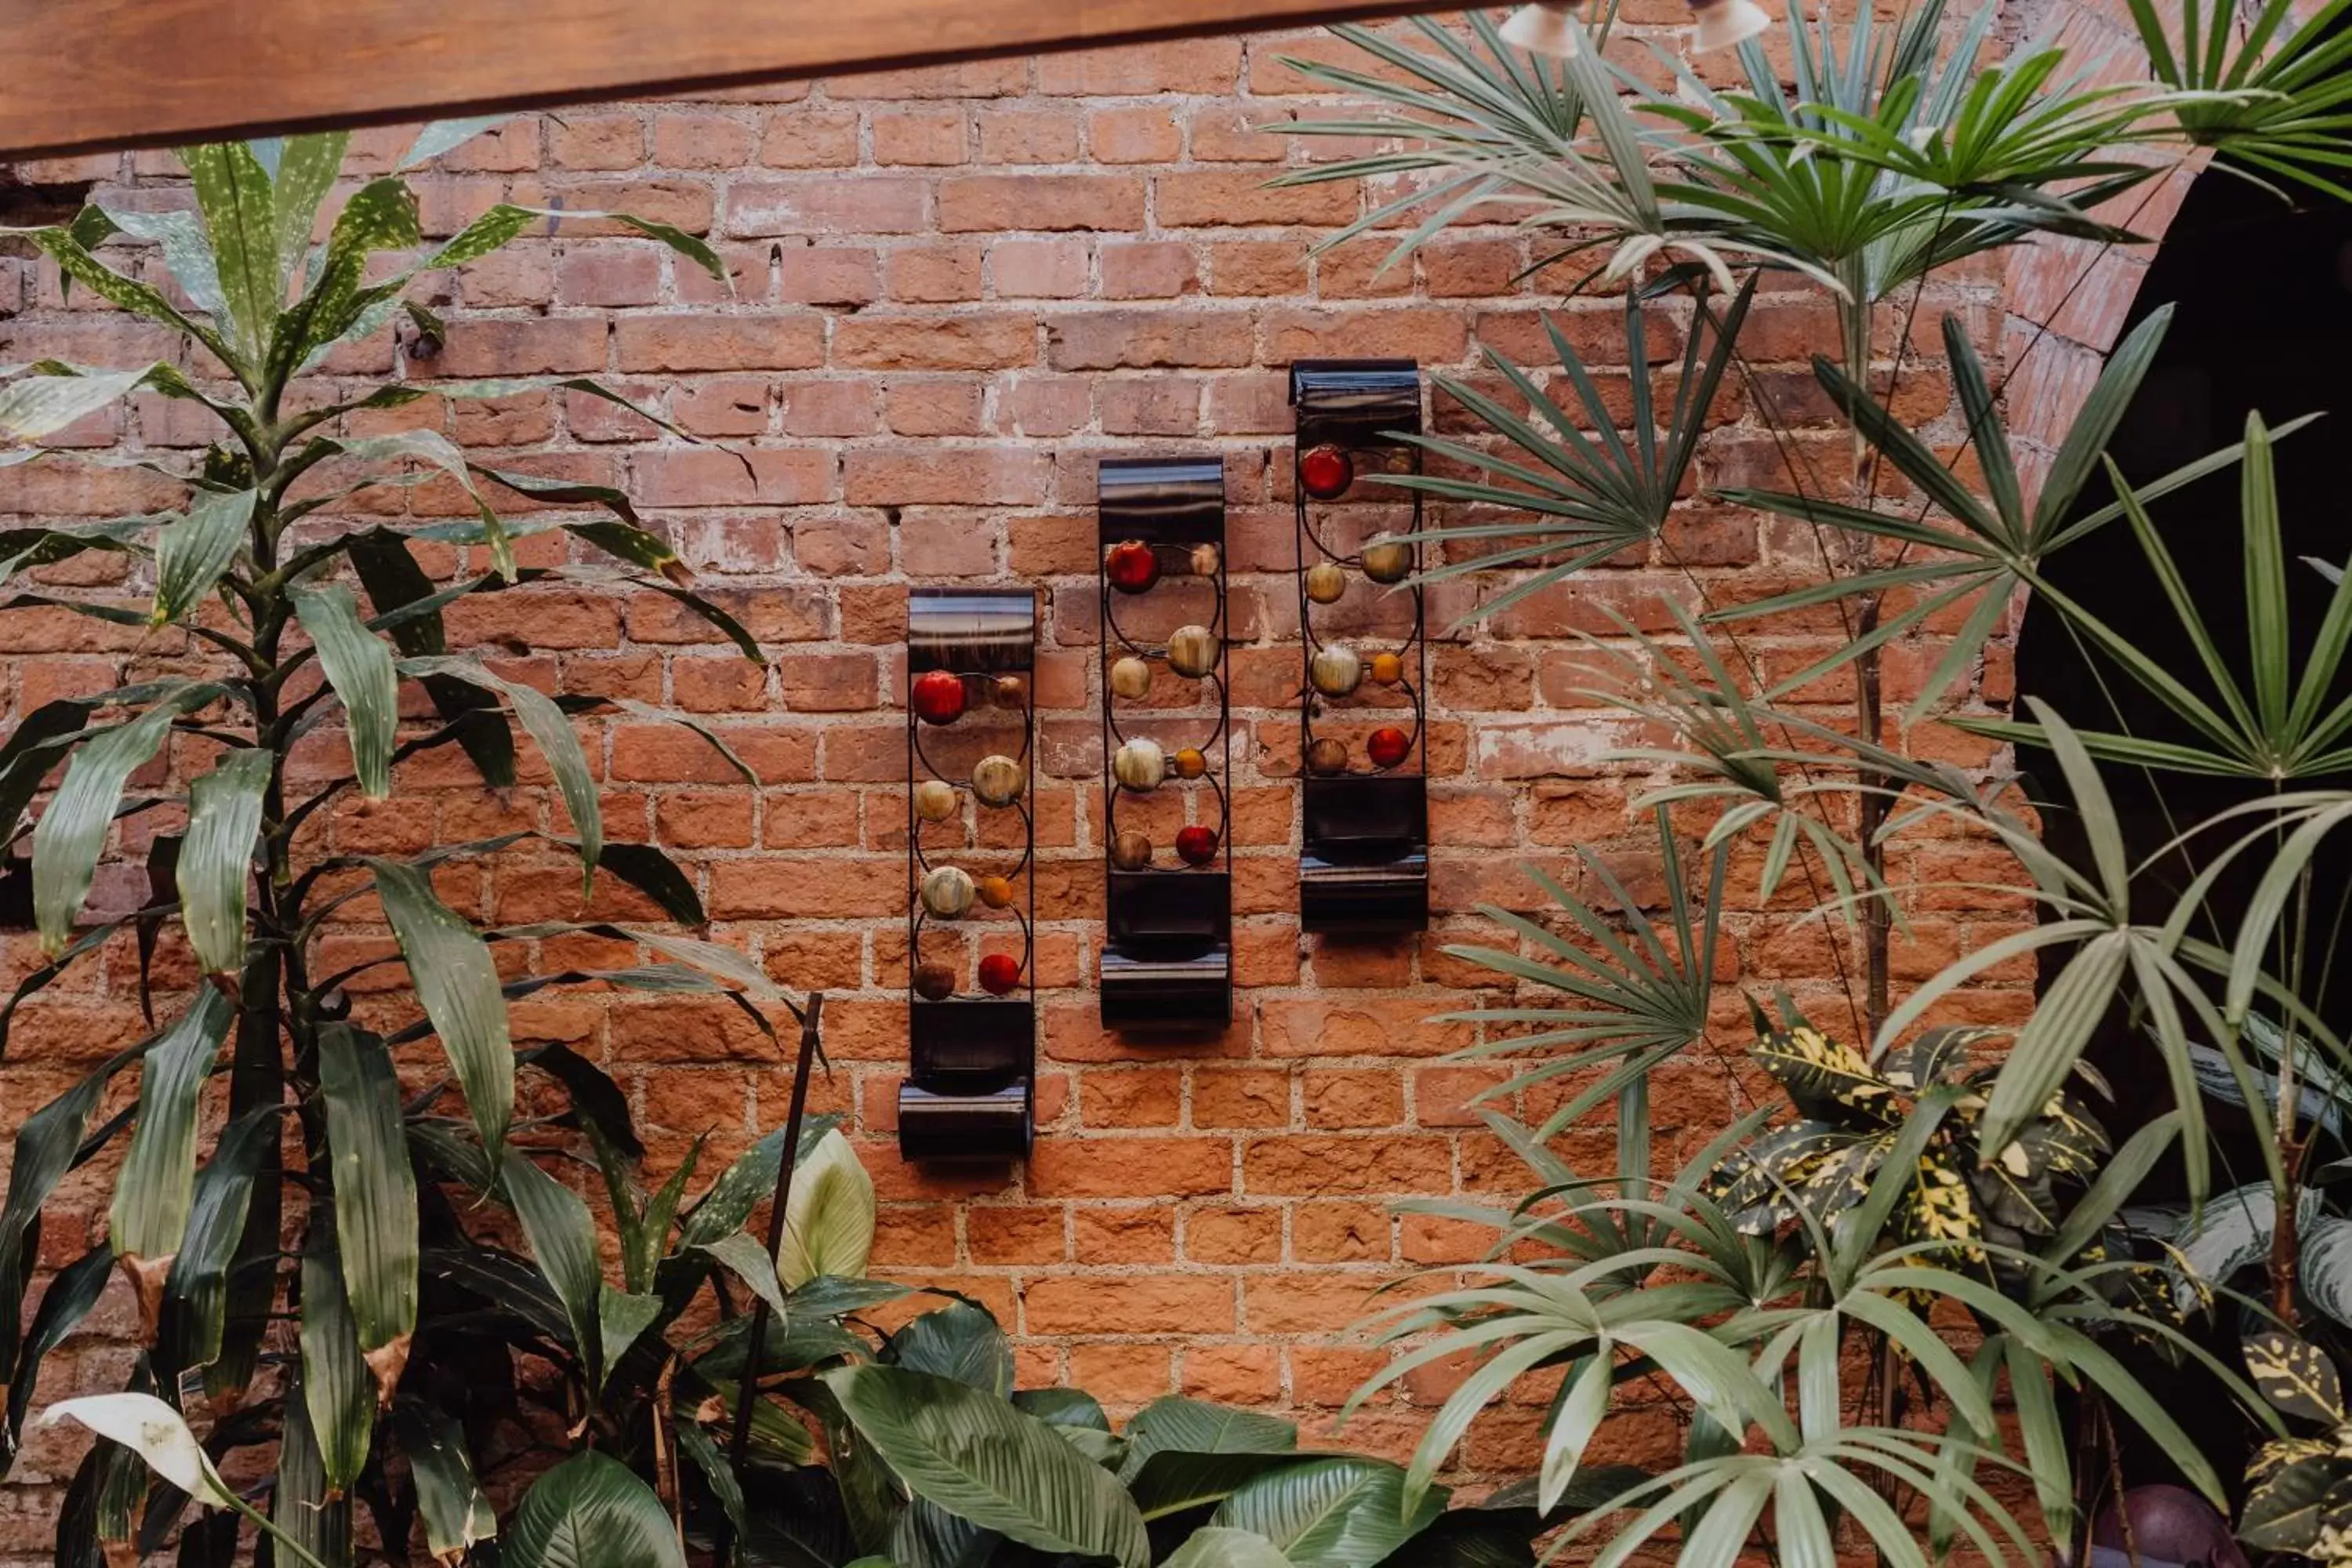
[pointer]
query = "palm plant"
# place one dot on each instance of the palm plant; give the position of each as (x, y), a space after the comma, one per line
(360, 1230)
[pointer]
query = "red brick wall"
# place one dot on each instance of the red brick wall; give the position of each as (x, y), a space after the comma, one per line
(954, 290)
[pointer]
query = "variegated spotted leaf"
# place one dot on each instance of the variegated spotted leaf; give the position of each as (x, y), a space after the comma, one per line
(1941, 1207)
(2283, 1513)
(1759, 1183)
(2295, 1375)
(1935, 1057)
(1834, 1183)
(1823, 1077)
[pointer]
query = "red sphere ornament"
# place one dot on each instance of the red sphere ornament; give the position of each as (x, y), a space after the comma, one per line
(998, 973)
(1196, 845)
(1325, 472)
(1388, 747)
(1131, 566)
(937, 697)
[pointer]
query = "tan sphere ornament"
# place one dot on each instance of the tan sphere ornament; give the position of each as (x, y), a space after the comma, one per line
(1130, 678)
(1140, 765)
(1388, 561)
(1189, 763)
(1009, 691)
(1326, 756)
(948, 892)
(998, 779)
(1336, 669)
(1192, 651)
(1206, 559)
(935, 800)
(1130, 851)
(1325, 582)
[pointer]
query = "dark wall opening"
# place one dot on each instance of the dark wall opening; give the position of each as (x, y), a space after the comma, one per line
(2261, 298)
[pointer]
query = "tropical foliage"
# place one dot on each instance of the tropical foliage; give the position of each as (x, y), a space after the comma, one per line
(1924, 1177)
(395, 1207)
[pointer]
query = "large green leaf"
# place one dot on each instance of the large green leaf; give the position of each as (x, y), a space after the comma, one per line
(196, 1291)
(152, 1194)
(72, 1292)
(959, 1340)
(1174, 1423)
(1336, 1512)
(829, 1223)
(562, 1237)
(1173, 1481)
(591, 1511)
(2324, 1270)
(336, 1383)
(744, 1184)
(307, 167)
(358, 665)
(192, 552)
(42, 1154)
(979, 1458)
(549, 726)
(215, 862)
(375, 1196)
(1214, 1546)
(72, 832)
(457, 982)
(457, 1513)
(42, 404)
(240, 212)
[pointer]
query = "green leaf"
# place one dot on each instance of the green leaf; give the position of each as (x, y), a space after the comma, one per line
(1215, 1547)
(304, 1516)
(152, 1194)
(72, 832)
(446, 135)
(359, 668)
(979, 1458)
(959, 1340)
(743, 1185)
(620, 1317)
(1171, 1481)
(591, 1511)
(2325, 1269)
(73, 1291)
(239, 208)
(42, 1154)
(829, 1221)
(562, 1237)
(549, 726)
(192, 552)
(336, 1383)
(2285, 1512)
(375, 1196)
(215, 860)
(457, 982)
(307, 167)
(750, 1262)
(196, 1291)
(1336, 1512)
(41, 405)
(1174, 1423)
(457, 1514)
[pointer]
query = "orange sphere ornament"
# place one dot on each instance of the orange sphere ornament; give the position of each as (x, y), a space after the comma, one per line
(996, 892)
(1386, 669)
(1189, 763)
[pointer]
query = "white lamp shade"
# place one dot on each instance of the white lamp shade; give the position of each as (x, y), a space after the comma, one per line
(1724, 23)
(1547, 27)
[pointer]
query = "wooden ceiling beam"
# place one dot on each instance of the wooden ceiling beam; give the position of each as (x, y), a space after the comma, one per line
(94, 75)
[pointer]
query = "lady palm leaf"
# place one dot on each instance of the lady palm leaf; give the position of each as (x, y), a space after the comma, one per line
(2278, 724)
(2278, 110)
(1591, 490)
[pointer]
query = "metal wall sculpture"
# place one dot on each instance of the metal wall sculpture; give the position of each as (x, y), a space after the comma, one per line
(971, 883)
(1167, 725)
(1362, 725)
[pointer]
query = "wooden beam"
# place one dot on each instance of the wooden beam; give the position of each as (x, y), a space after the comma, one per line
(91, 75)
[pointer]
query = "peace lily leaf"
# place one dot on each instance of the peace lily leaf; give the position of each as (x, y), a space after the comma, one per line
(216, 857)
(960, 1342)
(1215, 1547)
(457, 982)
(742, 1186)
(591, 1511)
(829, 1221)
(375, 1196)
(976, 1457)
(1331, 1514)
(152, 1195)
(359, 666)
(1174, 1423)
(151, 1429)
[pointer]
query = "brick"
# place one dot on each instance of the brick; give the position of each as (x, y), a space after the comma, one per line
(703, 477)
(810, 136)
(688, 343)
(1038, 269)
(1222, 198)
(1029, 135)
(1143, 339)
(1147, 270)
(1144, 133)
(935, 342)
(873, 204)
(933, 135)
(1193, 65)
(1001, 202)
(1129, 1304)
(994, 475)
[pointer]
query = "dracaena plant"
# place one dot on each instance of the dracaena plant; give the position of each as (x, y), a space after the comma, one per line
(361, 1185)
